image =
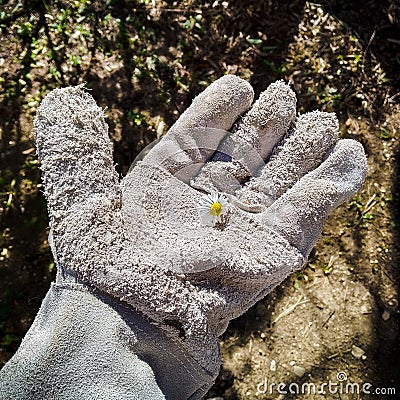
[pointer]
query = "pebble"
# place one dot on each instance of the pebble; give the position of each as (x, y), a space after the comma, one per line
(386, 315)
(272, 366)
(299, 371)
(357, 352)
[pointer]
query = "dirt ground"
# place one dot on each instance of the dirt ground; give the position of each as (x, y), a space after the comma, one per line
(335, 322)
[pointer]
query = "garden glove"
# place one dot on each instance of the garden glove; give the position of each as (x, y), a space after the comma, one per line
(152, 268)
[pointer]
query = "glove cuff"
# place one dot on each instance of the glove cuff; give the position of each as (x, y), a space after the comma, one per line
(85, 345)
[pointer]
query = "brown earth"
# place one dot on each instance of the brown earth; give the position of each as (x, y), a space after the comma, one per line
(145, 61)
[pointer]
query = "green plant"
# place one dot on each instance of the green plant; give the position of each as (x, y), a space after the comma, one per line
(8, 192)
(194, 22)
(137, 118)
(55, 73)
(25, 29)
(385, 134)
(327, 269)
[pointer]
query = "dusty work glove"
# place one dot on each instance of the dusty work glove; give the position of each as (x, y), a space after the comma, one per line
(204, 226)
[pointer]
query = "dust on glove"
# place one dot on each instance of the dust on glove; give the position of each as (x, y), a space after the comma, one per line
(142, 240)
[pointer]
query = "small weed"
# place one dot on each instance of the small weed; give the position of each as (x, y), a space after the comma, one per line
(25, 29)
(327, 269)
(55, 73)
(75, 60)
(385, 134)
(51, 267)
(137, 118)
(8, 193)
(9, 339)
(193, 22)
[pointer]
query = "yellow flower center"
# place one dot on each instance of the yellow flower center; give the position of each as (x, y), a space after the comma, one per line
(215, 209)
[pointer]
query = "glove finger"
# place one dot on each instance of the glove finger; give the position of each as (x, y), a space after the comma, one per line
(75, 152)
(196, 135)
(301, 151)
(242, 153)
(300, 213)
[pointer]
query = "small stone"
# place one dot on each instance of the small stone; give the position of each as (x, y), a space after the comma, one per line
(292, 363)
(392, 302)
(299, 371)
(161, 128)
(272, 366)
(386, 315)
(263, 335)
(357, 352)
(364, 309)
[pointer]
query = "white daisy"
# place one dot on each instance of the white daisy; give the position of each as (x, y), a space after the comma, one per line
(212, 207)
